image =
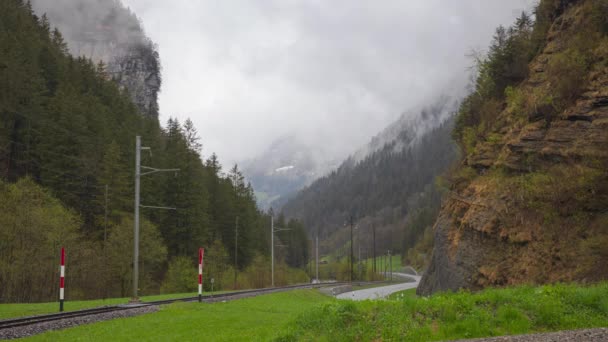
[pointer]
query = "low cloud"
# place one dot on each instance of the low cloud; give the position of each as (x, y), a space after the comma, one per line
(333, 73)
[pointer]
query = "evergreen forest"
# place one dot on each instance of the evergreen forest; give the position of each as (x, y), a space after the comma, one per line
(67, 156)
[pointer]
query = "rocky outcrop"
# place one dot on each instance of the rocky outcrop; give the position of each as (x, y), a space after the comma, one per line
(536, 210)
(137, 70)
(106, 31)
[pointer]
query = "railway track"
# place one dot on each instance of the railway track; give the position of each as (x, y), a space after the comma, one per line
(31, 320)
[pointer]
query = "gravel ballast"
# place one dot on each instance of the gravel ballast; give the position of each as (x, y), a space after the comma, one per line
(599, 334)
(38, 328)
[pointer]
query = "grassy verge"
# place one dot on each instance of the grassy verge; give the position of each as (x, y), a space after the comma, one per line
(371, 286)
(339, 269)
(251, 319)
(411, 293)
(29, 309)
(382, 263)
(492, 312)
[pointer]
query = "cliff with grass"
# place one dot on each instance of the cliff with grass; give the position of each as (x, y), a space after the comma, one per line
(529, 201)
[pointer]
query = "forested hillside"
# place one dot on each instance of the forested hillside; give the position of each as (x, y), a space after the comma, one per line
(67, 141)
(390, 188)
(528, 203)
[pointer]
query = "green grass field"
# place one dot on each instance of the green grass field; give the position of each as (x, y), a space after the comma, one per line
(250, 319)
(29, 309)
(492, 312)
(411, 293)
(332, 269)
(382, 263)
(308, 315)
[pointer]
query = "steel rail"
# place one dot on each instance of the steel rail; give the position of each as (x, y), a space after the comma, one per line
(30, 320)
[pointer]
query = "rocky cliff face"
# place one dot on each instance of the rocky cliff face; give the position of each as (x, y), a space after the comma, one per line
(137, 70)
(534, 208)
(105, 31)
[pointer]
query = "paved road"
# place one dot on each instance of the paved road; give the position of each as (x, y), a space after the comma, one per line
(381, 292)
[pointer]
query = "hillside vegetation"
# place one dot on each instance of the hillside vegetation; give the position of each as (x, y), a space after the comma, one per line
(67, 141)
(391, 189)
(528, 204)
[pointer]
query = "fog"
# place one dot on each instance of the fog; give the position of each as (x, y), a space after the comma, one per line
(332, 73)
(93, 28)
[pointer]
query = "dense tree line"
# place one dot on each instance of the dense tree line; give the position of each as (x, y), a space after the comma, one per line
(66, 126)
(505, 64)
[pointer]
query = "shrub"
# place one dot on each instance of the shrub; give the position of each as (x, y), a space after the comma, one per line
(469, 140)
(515, 99)
(545, 12)
(489, 112)
(33, 228)
(566, 72)
(181, 276)
(530, 105)
(494, 139)
(600, 15)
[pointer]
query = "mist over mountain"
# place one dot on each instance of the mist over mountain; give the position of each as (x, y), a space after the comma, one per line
(385, 185)
(108, 32)
(332, 72)
(288, 165)
(411, 126)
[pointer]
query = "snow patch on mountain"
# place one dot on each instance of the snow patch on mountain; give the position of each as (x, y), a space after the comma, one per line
(284, 168)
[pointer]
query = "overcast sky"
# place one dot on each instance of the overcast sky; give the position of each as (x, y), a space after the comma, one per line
(333, 72)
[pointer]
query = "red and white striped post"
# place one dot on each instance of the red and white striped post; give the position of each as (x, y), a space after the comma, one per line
(201, 254)
(61, 279)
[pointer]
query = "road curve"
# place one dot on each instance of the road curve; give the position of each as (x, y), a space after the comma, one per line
(381, 292)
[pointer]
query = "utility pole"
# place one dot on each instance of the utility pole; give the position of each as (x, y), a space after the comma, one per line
(359, 253)
(374, 248)
(105, 238)
(105, 218)
(136, 218)
(272, 244)
(351, 249)
(384, 265)
(272, 231)
(138, 174)
(390, 265)
(236, 248)
(317, 257)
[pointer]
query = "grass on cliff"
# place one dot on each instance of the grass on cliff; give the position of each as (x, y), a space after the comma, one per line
(493, 312)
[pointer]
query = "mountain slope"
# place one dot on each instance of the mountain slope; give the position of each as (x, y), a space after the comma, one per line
(381, 184)
(287, 166)
(528, 205)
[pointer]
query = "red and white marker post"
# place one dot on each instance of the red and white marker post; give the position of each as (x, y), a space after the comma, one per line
(201, 254)
(61, 279)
